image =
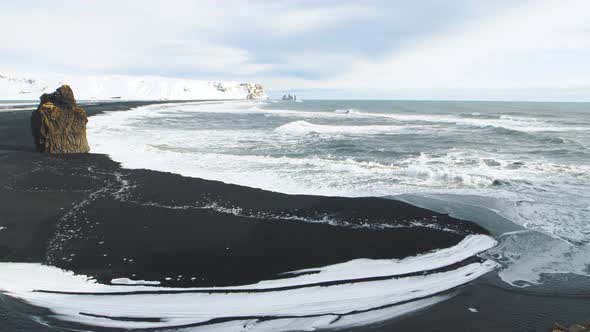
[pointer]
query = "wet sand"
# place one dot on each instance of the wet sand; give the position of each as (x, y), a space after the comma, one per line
(86, 214)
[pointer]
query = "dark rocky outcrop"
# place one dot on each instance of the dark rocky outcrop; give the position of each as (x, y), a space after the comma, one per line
(583, 327)
(59, 125)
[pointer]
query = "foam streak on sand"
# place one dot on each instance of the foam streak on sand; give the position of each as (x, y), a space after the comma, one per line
(336, 296)
(299, 128)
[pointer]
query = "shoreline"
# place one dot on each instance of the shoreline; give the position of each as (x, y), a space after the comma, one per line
(15, 131)
(119, 204)
(104, 205)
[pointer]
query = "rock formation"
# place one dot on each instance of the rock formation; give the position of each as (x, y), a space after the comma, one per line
(59, 125)
(255, 91)
(289, 97)
(583, 327)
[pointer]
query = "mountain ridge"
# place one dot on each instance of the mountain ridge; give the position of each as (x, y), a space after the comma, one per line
(123, 87)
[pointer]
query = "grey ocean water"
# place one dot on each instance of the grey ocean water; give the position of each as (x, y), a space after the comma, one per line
(520, 169)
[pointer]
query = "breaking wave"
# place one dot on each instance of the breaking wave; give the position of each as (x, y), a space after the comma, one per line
(305, 128)
(350, 152)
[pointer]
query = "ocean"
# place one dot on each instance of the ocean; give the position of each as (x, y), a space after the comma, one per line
(522, 170)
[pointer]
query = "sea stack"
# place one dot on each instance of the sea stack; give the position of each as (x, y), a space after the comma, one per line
(59, 125)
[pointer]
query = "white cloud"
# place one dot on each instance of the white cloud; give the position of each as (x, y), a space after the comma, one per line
(532, 45)
(542, 45)
(297, 20)
(105, 40)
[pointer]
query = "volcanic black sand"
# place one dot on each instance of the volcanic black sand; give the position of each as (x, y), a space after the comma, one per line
(87, 214)
(84, 213)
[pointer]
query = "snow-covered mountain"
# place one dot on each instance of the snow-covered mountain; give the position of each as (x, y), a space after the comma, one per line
(14, 87)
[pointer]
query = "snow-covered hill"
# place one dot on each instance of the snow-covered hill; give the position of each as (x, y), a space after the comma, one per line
(14, 87)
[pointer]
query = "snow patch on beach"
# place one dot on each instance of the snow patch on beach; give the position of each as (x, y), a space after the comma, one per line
(127, 281)
(353, 293)
(522, 124)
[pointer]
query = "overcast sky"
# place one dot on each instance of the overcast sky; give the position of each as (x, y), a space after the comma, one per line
(430, 49)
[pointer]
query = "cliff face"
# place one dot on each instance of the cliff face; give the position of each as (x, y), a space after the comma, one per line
(14, 87)
(59, 125)
(255, 91)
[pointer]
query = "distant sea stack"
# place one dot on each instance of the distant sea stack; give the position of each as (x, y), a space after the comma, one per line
(289, 97)
(59, 125)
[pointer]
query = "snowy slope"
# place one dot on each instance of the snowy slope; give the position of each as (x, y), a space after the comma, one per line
(15, 87)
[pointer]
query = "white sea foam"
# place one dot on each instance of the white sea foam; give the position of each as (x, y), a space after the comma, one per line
(526, 257)
(189, 152)
(538, 194)
(523, 124)
(470, 246)
(306, 128)
(354, 298)
(346, 111)
(16, 106)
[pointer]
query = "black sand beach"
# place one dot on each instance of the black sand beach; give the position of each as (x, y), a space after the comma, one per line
(87, 214)
(93, 217)
(174, 219)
